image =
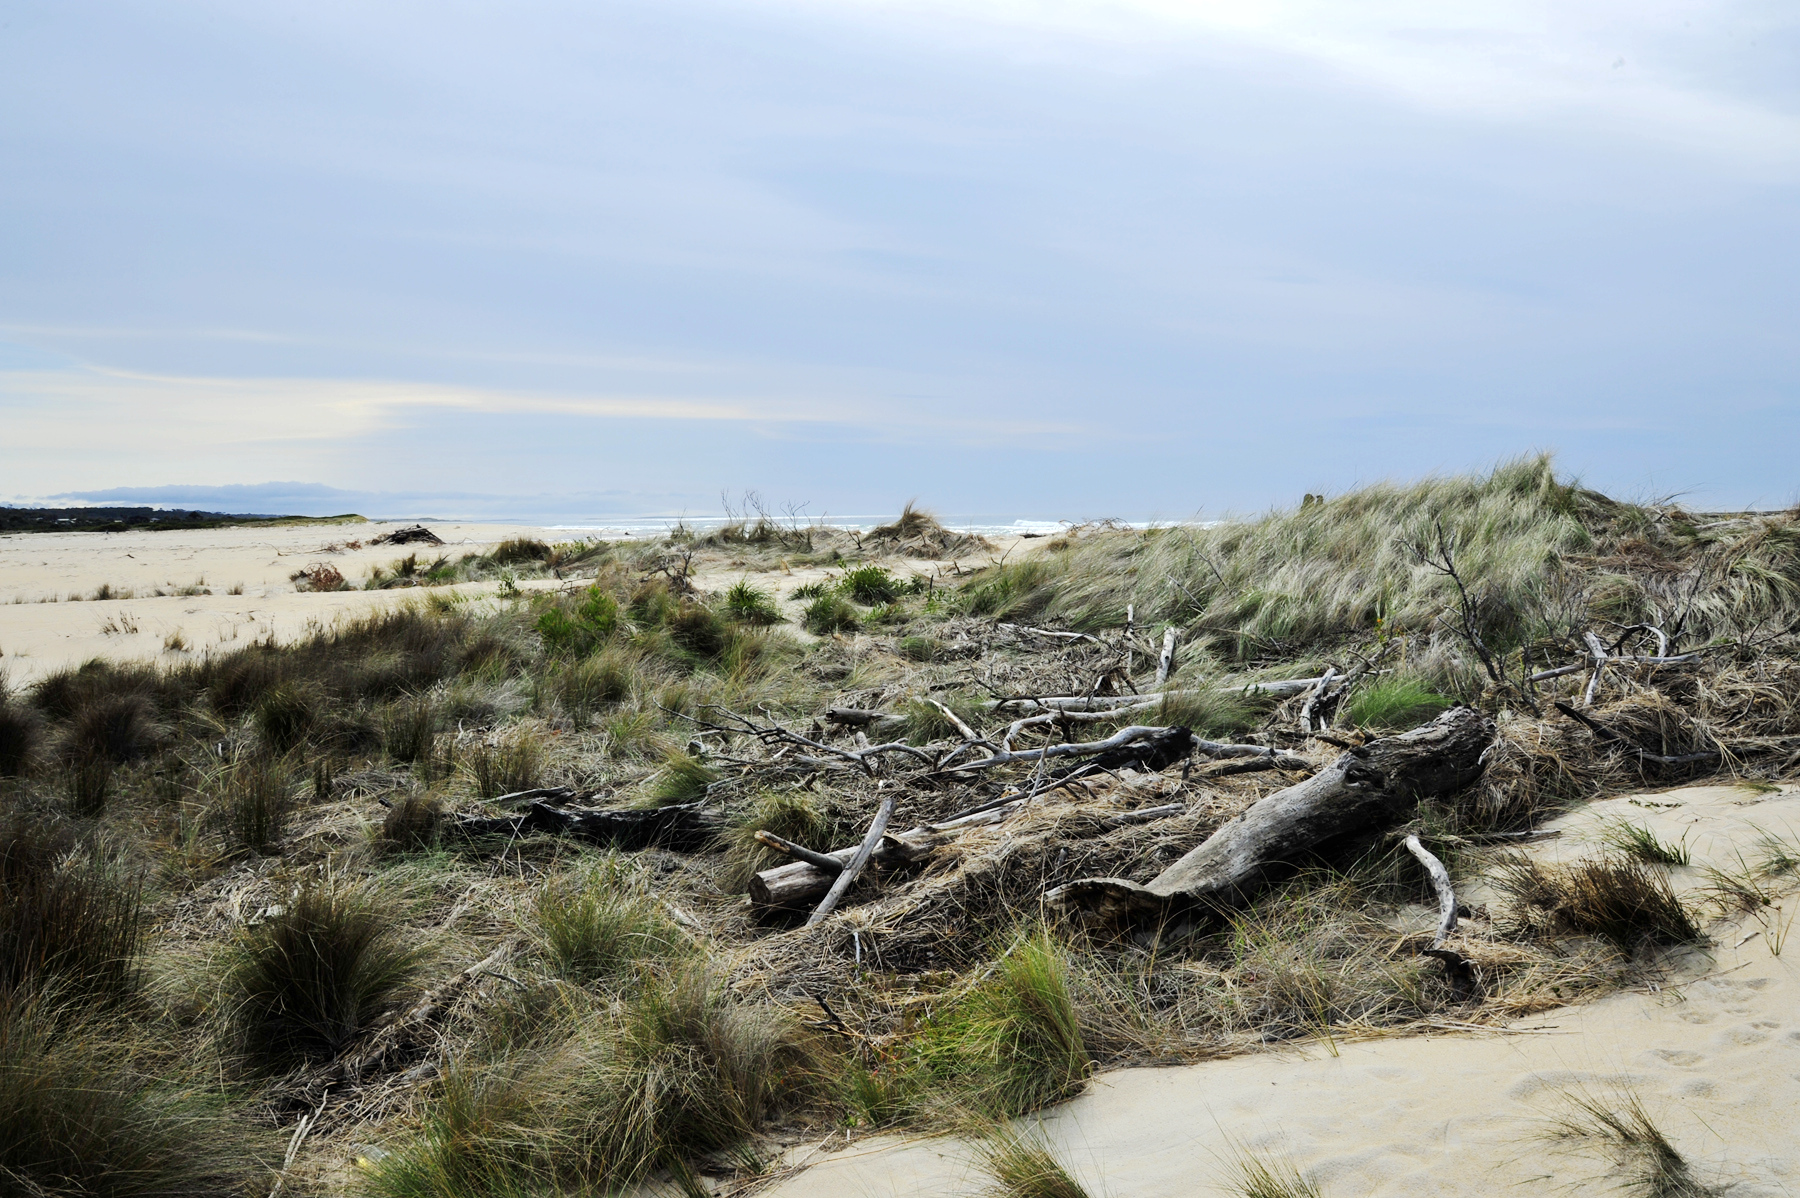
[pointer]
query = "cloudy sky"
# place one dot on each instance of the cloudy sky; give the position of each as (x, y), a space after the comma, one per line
(1139, 258)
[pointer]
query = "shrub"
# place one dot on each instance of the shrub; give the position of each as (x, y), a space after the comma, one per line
(1015, 1043)
(286, 716)
(870, 584)
(828, 614)
(1396, 703)
(77, 1119)
(510, 766)
(1618, 899)
(64, 916)
(591, 931)
(20, 733)
(751, 605)
(307, 982)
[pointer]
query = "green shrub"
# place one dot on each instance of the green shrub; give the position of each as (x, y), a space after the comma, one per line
(1394, 704)
(828, 614)
(1014, 1043)
(307, 982)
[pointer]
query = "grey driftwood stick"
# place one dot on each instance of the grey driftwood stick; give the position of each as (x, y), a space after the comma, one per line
(854, 866)
(1365, 789)
(1440, 881)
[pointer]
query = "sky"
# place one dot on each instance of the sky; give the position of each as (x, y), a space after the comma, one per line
(1145, 258)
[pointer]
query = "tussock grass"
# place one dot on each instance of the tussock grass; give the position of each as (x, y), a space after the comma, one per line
(1213, 714)
(870, 585)
(595, 1100)
(414, 821)
(791, 815)
(1269, 1175)
(307, 982)
(118, 727)
(596, 683)
(78, 1118)
(1393, 704)
(88, 782)
(512, 765)
(593, 930)
(1641, 844)
(830, 613)
(751, 604)
(254, 800)
(1618, 899)
(408, 729)
(21, 734)
(1646, 1162)
(286, 716)
(1022, 1163)
(67, 917)
(683, 779)
(1014, 1043)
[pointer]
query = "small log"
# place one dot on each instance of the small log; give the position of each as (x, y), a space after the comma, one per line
(1365, 789)
(1144, 815)
(683, 826)
(1312, 699)
(1440, 881)
(1165, 662)
(854, 866)
(825, 861)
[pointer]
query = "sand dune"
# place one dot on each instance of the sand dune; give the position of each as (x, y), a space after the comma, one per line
(1714, 1052)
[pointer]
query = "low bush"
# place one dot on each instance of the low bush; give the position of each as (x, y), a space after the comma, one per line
(307, 982)
(518, 551)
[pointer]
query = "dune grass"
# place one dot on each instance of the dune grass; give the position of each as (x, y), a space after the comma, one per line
(1395, 704)
(1021, 1162)
(308, 981)
(1646, 1163)
(68, 918)
(1620, 899)
(592, 929)
(1256, 1174)
(1641, 844)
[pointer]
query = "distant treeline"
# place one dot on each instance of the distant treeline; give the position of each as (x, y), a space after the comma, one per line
(120, 519)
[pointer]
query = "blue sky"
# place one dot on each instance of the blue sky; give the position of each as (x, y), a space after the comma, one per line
(1141, 258)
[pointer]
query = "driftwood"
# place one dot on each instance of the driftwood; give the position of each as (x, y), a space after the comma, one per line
(1280, 689)
(1364, 790)
(1440, 882)
(683, 826)
(845, 879)
(1165, 661)
(412, 534)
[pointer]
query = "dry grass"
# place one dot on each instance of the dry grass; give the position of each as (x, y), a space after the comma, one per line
(1620, 899)
(1646, 1163)
(1021, 1162)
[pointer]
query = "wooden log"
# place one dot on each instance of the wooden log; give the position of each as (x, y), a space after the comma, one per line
(683, 826)
(800, 852)
(1364, 790)
(854, 866)
(1312, 699)
(1440, 882)
(1165, 661)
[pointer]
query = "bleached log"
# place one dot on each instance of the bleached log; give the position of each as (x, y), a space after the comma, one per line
(1365, 789)
(1440, 882)
(852, 868)
(1165, 661)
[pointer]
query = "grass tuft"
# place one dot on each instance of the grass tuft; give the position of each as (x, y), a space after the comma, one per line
(285, 716)
(830, 613)
(751, 605)
(310, 980)
(254, 802)
(21, 733)
(1618, 899)
(1641, 844)
(1265, 1175)
(1393, 704)
(1647, 1163)
(66, 917)
(512, 765)
(1023, 1164)
(414, 821)
(591, 931)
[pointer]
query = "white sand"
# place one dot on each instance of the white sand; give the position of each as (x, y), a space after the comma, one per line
(1716, 1061)
(38, 637)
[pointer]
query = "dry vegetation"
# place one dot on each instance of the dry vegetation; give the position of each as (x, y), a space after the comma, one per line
(244, 939)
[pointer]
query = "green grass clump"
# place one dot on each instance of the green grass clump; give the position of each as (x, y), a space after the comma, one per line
(1023, 1164)
(79, 1118)
(920, 648)
(117, 727)
(592, 930)
(408, 729)
(519, 551)
(751, 605)
(683, 779)
(1213, 714)
(307, 982)
(413, 821)
(830, 613)
(1014, 1043)
(68, 919)
(1618, 899)
(1641, 844)
(88, 782)
(594, 1101)
(595, 683)
(286, 716)
(791, 815)
(1396, 703)
(579, 629)
(815, 589)
(512, 765)
(870, 584)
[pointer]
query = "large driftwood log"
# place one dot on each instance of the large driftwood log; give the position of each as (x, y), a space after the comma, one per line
(683, 826)
(1365, 789)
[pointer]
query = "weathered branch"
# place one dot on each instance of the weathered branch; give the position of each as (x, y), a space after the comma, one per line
(1165, 662)
(855, 865)
(1440, 881)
